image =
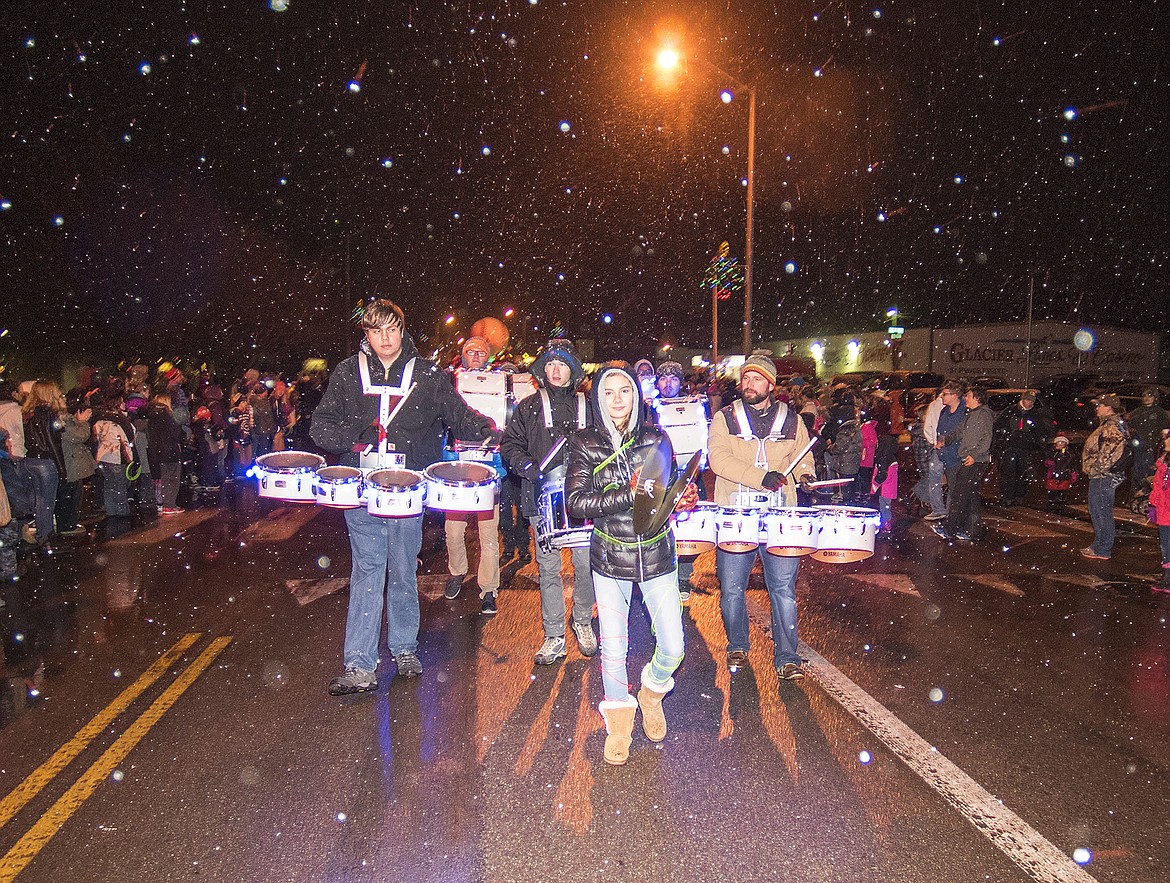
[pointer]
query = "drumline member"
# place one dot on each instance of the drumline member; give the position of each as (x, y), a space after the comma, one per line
(385, 550)
(752, 444)
(670, 391)
(474, 357)
(555, 412)
(604, 468)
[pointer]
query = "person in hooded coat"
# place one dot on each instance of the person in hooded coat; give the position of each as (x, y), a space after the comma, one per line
(530, 436)
(604, 467)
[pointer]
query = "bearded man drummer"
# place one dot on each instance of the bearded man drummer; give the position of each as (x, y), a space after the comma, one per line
(386, 396)
(754, 447)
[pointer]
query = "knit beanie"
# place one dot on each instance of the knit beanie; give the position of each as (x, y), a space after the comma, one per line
(761, 361)
(672, 369)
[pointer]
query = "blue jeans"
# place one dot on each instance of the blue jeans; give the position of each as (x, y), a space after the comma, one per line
(613, 616)
(733, 569)
(115, 489)
(44, 484)
(1164, 536)
(934, 491)
(385, 555)
(261, 444)
(1102, 492)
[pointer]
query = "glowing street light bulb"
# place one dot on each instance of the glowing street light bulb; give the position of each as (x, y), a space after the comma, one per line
(449, 320)
(508, 313)
(668, 59)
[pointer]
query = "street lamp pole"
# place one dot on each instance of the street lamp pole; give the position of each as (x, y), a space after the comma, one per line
(747, 251)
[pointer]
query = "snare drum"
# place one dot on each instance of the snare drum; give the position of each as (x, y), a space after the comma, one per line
(738, 530)
(461, 486)
(340, 487)
(847, 534)
(695, 531)
(684, 420)
(288, 475)
(395, 493)
(554, 528)
(792, 532)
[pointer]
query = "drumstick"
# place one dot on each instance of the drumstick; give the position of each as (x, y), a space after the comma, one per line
(552, 453)
(812, 441)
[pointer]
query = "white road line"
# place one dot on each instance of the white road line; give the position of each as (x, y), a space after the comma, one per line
(1014, 837)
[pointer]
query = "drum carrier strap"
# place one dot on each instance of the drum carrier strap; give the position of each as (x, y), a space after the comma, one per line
(546, 403)
(385, 392)
(783, 426)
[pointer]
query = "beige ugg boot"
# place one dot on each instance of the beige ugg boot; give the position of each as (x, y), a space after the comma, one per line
(650, 701)
(619, 725)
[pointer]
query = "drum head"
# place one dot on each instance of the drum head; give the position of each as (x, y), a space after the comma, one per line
(393, 478)
(290, 461)
(339, 473)
(461, 472)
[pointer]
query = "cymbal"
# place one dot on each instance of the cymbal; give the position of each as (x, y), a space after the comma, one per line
(652, 487)
(677, 489)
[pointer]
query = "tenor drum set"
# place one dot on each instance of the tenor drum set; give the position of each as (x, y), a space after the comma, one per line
(300, 477)
(834, 534)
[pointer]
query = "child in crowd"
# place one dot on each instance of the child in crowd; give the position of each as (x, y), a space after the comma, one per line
(1159, 507)
(885, 478)
(1062, 472)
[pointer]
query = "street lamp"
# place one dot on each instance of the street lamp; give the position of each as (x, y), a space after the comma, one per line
(668, 60)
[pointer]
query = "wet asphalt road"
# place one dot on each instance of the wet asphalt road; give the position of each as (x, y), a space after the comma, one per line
(1042, 677)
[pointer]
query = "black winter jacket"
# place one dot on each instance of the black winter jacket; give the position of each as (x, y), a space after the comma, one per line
(164, 439)
(42, 436)
(597, 487)
(527, 441)
(417, 430)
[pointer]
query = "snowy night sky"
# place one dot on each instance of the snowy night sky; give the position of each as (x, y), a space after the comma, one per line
(192, 175)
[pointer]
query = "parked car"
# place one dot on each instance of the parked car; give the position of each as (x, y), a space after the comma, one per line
(855, 378)
(909, 379)
(1061, 391)
(1129, 393)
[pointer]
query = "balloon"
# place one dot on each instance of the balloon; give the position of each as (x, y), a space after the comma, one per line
(493, 331)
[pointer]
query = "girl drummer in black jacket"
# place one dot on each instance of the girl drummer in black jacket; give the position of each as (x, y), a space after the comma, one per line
(604, 465)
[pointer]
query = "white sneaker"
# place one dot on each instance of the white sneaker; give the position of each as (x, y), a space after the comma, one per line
(551, 650)
(586, 640)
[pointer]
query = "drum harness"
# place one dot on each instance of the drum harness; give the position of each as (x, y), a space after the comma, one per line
(783, 428)
(386, 411)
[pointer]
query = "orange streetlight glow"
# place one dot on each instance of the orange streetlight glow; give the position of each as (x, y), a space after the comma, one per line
(668, 59)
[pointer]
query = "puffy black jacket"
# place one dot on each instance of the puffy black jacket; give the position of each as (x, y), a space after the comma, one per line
(417, 430)
(597, 487)
(527, 441)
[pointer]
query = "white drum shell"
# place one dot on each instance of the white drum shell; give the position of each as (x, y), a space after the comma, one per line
(738, 530)
(792, 532)
(523, 385)
(461, 486)
(695, 531)
(339, 487)
(295, 484)
(685, 423)
(553, 526)
(847, 534)
(389, 500)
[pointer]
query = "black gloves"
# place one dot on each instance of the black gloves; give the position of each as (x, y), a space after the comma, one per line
(370, 435)
(773, 481)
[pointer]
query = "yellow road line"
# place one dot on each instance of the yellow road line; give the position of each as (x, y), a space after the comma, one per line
(42, 775)
(51, 822)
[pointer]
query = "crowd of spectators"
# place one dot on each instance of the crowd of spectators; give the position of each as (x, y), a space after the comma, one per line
(138, 442)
